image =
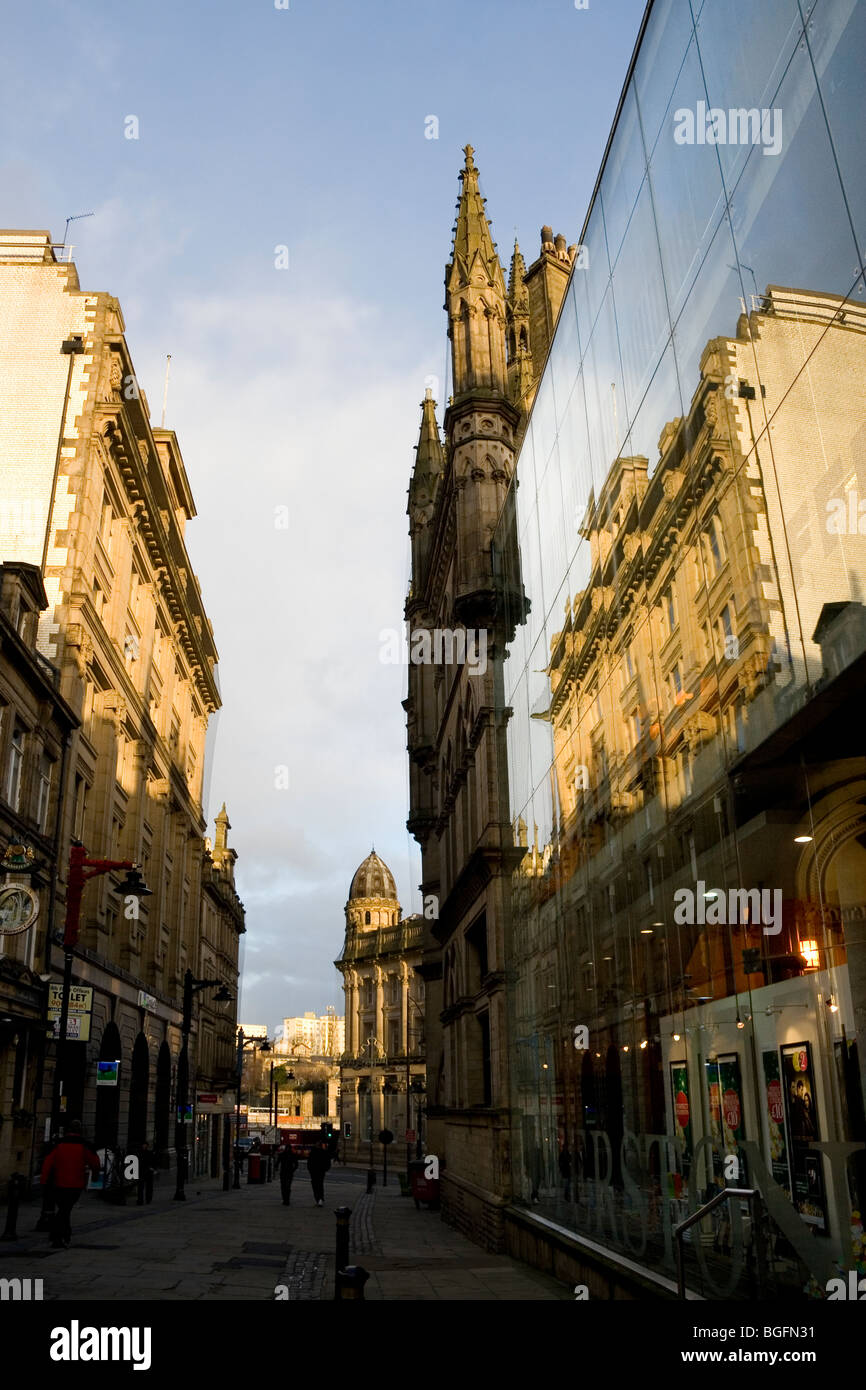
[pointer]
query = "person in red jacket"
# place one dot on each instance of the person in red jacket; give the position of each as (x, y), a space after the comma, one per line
(67, 1167)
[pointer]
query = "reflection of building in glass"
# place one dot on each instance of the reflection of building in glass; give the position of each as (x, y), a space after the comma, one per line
(383, 1065)
(673, 663)
(673, 934)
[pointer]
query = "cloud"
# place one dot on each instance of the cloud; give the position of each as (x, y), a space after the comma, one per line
(293, 400)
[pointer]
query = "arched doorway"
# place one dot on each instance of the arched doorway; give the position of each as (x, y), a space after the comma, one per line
(138, 1089)
(108, 1097)
(162, 1104)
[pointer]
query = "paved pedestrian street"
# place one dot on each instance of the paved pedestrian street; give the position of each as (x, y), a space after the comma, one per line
(246, 1245)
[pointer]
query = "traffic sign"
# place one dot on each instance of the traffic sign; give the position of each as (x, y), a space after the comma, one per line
(386, 1137)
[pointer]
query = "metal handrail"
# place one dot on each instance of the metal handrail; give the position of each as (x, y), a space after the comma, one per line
(679, 1231)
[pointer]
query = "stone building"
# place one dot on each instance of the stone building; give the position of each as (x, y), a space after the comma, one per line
(222, 924)
(313, 1035)
(98, 499)
(458, 785)
(383, 1066)
(36, 730)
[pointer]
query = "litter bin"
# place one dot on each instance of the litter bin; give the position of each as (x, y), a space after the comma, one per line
(423, 1189)
(254, 1167)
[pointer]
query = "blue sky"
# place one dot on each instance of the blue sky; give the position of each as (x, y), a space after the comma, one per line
(300, 387)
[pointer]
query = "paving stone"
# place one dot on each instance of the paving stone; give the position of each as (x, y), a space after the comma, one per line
(241, 1245)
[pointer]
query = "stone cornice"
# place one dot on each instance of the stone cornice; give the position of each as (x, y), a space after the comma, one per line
(121, 438)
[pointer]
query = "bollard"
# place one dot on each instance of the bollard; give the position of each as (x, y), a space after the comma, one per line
(14, 1188)
(352, 1281)
(342, 1258)
(371, 1179)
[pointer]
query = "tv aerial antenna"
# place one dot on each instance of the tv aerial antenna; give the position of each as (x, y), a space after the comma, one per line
(77, 218)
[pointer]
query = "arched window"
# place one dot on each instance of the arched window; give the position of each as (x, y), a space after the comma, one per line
(138, 1092)
(108, 1097)
(366, 919)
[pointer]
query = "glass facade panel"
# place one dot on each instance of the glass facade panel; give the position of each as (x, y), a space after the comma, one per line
(686, 775)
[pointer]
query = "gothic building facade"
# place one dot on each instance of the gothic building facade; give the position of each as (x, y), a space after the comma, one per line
(499, 336)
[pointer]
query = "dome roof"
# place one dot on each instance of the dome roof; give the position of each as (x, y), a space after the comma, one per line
(373, 879)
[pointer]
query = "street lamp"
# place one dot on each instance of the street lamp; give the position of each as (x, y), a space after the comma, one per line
(191, 986)
(81, 870)
(242, 1043)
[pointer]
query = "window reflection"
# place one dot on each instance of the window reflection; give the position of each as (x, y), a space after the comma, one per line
(685, 772)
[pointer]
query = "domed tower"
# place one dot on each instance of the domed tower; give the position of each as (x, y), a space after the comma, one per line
(373, 901)
(383, 1072)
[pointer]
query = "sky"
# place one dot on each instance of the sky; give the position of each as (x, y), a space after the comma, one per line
(270, 210)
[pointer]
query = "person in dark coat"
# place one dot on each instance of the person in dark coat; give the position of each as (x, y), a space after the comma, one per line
(318, 1164)
(146, 1165)
(67, 1167)
(287, 1162)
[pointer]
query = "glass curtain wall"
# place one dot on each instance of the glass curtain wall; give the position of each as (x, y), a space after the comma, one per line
(684, 571)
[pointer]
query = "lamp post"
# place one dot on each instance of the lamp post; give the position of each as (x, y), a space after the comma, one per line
(411, 1004)
(272, 1123)
(191, 986)
(242, 1043)
(81, 870)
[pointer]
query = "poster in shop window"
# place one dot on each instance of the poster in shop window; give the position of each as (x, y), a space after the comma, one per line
(682, 1110)
(776, 1121)
(727, 1122)
(801, 1108)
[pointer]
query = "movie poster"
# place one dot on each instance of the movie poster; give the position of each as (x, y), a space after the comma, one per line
(798, 1086)
(682, 1111)
(776, 1121)
(727, 1122)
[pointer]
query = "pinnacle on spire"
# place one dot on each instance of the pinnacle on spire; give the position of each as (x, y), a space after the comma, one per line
(429, 454)
(517, 272)
(475, 293)
(223, 826)
(472, 233)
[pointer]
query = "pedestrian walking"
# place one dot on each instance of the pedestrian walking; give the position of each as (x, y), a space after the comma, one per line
(318, 1164)
(146, 1166)
(287, 1162)
(67, 1166)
